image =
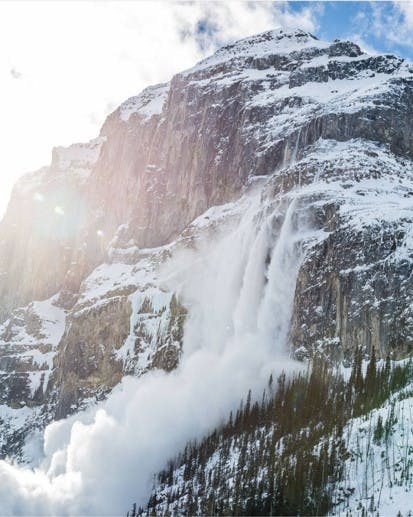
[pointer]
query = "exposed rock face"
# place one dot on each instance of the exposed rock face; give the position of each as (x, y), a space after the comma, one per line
(355, 288)
(311, 115)
(183, 147)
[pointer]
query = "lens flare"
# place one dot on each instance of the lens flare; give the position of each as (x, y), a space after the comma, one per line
(59, 210)
(38, 197)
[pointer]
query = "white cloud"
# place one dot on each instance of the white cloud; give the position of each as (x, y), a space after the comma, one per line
(407, 9)
(393, 22)
(78, 60)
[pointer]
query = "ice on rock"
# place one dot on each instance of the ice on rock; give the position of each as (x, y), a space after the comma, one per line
(149, 102)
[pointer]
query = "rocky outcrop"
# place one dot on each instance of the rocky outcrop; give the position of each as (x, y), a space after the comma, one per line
(354, 287)
(85, 364)
(122, 333)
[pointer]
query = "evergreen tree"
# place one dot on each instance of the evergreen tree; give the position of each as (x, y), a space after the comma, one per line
(280, 456)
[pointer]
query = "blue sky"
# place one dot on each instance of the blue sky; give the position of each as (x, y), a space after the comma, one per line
(382, 26)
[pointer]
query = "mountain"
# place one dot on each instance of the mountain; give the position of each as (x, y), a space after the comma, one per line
(266, 194)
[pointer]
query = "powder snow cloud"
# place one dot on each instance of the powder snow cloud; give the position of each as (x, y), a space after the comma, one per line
(100, 461)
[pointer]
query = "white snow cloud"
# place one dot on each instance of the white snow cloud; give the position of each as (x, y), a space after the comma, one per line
(76, 61)
(101, 461)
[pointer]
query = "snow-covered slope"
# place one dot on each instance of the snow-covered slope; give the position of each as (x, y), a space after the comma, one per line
(277, 456)
(377, 474)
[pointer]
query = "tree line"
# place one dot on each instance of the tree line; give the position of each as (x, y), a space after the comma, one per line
(282, 454)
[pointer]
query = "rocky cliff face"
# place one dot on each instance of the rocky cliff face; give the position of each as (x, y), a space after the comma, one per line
(355, 287)
(87, 235)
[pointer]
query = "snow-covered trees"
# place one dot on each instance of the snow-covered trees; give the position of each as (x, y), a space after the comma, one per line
(286, 452)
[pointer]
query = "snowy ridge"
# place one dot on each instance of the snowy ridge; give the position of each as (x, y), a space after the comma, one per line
(148, 103)
(72, 163)
(277, 41)
(77, 158)
(370, 185)
(314, 99)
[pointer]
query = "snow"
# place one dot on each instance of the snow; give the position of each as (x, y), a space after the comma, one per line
(378, 190)
(380, 473)
(277, 41)
(78, 157)
(104, 279)
(51, 320)
(217, 214)
(148, 103)
(32, 336)
(315, 99)
(16, 416)
(72, 162)
(344, 91)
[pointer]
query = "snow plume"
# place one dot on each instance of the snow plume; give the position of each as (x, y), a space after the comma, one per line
(239, 290)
